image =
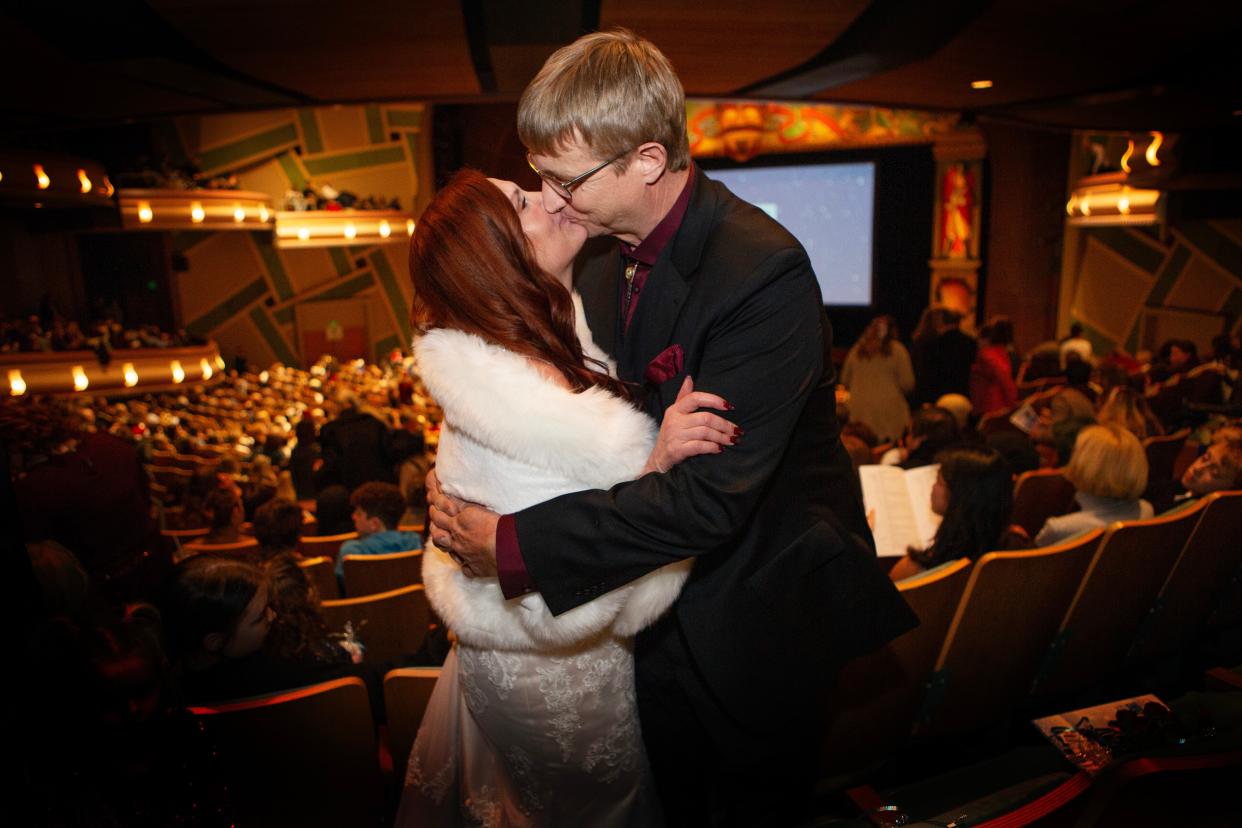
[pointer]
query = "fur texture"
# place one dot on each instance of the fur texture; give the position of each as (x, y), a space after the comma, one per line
(512, 438)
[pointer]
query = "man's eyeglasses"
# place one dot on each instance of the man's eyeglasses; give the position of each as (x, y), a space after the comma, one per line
(565, 189)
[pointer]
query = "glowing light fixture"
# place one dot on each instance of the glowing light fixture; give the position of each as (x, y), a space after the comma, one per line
(206, 366)
(80, 382)
(84, 180)
(1129, 153)
(41, 177)
(981, 84)
(131, 376)
(17, 385)
(193, 210)
(219, 362)
(178, 373)
(338, 228)
(1157, 138)
(409, 227)
(108, 189)
(1112, 202)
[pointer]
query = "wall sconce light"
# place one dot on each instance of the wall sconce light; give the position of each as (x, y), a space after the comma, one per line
(41, 178)
(178, 373)
(80, 381)
(206, 367)
(17, 385)
(131, 376)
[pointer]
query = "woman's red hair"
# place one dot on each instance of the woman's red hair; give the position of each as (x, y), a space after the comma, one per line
(473, 270)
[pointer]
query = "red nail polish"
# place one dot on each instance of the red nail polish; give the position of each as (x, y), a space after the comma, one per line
(728, 406)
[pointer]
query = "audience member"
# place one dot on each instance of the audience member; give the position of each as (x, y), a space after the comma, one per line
(959, 406)
(225, 515)
(304, 457)
(1017, 449)
(1109, 470)
(1129, 409)
(942, 355)
(931, 431)
(217, 612)
(1043, 362)
(355, 446)
(299, 637)
(278, 528)
(992, 388)
(408, 452)
(973, 495)
(333, 513)
(1176, 356)
(378, 508)
(1076, 346)
(878, 374)
(1217, 469)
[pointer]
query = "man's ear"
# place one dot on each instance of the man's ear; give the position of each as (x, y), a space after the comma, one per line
(652, 160)
(213, 642)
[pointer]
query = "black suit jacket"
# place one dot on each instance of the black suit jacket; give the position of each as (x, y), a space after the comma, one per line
(785, 580)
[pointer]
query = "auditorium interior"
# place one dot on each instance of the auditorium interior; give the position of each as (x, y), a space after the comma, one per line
(1026, 223)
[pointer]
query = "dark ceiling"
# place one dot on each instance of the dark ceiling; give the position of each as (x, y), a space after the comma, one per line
(1100, 64)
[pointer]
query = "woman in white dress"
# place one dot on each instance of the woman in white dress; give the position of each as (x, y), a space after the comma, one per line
(533, 721)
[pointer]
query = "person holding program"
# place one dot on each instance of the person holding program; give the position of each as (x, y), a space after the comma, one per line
(704, 291)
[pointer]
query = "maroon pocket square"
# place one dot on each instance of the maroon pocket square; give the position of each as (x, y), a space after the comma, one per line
(665, 366)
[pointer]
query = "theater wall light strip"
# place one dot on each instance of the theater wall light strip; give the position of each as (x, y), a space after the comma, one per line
(334, 228)
(194, 210)
(39, 179)
(136, 370)
(1112, 203)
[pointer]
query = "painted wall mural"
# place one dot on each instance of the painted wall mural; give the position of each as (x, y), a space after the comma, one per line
(244, 292)
(742, 129)
(1134, 290)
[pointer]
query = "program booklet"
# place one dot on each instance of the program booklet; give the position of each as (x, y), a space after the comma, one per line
(898, 505)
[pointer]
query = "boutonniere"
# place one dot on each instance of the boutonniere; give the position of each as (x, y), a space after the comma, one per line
(665, 366)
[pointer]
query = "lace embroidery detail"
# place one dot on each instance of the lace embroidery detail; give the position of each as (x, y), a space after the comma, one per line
(620, 749)
(483, 808)
(522, 769)
(437, 785)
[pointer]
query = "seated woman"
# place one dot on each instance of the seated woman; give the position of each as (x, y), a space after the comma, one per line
(973, 494)
(1128, 408)
(1109, 469)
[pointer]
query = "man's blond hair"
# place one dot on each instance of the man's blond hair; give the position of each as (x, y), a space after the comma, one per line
(1108, 461)
(614, 89)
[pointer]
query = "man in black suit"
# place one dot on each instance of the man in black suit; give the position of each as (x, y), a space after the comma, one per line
(732, 683)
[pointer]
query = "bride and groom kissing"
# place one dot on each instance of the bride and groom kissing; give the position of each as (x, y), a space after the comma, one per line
(649, 618)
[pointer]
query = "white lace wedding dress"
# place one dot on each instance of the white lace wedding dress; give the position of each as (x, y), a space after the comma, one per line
(533, 721)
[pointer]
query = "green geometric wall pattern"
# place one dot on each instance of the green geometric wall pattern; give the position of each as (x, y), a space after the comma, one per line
(240, 289)
(1129, 275)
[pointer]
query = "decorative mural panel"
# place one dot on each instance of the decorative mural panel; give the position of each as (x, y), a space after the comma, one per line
(1134, 290)
(742, 129)
(241, 290)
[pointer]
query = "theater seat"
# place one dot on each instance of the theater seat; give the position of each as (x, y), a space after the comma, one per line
(369, 574)
(300, 757)
(872, 710)
(241, 547)
(406, 694)
(390, 625)
(1039, 495)
(1009, 612)
(321, 572)
(1119, 588)
(326, 545)
(1162, 454)
(1198, 582)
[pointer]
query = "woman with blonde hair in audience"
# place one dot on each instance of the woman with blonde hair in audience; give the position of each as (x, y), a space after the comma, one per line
(1109, 469)
(1129, 409)
(878, 374)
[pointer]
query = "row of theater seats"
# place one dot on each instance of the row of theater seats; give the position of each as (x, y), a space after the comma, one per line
(1033, 628)
(312, 756)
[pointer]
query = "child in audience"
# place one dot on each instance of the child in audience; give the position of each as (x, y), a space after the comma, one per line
(1109, 469)
(299, 636)
(278, 527)
(225, 514)
(973, 495)
(216, 614)
(378, 508)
